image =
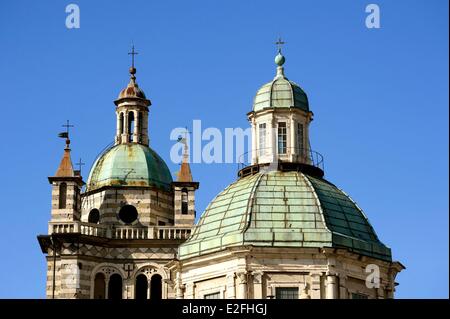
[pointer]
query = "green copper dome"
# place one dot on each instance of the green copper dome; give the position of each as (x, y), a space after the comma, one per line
(283, 209)
(129, 165)
(280, 93)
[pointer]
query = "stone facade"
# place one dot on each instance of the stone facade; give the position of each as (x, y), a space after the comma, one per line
(257, 272)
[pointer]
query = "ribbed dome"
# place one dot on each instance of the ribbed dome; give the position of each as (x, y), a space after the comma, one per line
(132, 90)
(129, 165)
(280, 93)
(283, 209)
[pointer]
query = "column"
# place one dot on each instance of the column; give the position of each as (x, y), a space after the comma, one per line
(179, 287)
(242, 285)
(118, 137)
(343, 291)
(107, 287)
(306, 151)
(231, 286)
(255, 150)
(190, 291)
(135, 129)
(315, 285)
(128, 285)
(332, 287)
(257, 284)
(304, 293)
(292, 144)
(125, 128)
(273, 140)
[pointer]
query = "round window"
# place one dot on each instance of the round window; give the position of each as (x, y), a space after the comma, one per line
(128, 214)
(94, 216)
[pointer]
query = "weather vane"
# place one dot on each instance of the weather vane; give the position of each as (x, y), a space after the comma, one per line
(66, 133)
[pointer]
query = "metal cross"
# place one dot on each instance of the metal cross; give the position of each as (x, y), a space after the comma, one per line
(128, 268)
(132, 53)
(67, 126)
(80, 163)
(279, 44)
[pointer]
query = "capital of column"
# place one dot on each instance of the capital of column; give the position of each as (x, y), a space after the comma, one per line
(257, 276)
(242, 276)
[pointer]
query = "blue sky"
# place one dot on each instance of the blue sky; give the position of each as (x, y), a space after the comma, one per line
(380, 99)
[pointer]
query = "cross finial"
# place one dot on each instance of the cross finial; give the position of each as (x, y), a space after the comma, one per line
(184, 141)
(279, 44)
(132, 53)
(79, 164)
(67, 126)
(186, 132)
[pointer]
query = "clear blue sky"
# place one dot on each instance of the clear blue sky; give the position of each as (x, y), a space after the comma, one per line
(380, 99)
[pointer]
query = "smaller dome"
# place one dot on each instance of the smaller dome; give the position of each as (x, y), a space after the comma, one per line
(132, 90)
(129, 165)
(280, 93)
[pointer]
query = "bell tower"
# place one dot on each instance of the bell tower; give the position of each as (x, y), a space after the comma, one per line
(132, 111)
(66, 188)
(184, 192)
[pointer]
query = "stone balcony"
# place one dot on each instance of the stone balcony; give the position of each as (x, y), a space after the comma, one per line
(120, 232)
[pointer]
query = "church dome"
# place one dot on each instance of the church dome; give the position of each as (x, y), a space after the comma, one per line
(132, 90)
(283, 209)
(129, 164)
(280, 92)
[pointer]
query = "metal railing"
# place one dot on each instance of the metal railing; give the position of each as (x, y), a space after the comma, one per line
(301, 155)
(121, 232)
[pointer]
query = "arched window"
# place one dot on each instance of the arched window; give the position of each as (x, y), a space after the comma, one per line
(99, 286)
(128, 214)
(115, 287)
(156, 287)
(184, 201)
(121, 123)
(94, 216)
(131, 124)
(141, 287)
(62, 195)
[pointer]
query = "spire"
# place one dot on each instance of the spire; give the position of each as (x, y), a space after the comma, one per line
(65, 168)
(185, 175)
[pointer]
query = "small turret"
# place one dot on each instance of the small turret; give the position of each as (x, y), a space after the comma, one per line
(132, 112)
(66, 187)
(184, 192)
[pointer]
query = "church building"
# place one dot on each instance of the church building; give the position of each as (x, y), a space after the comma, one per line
(281, 230)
